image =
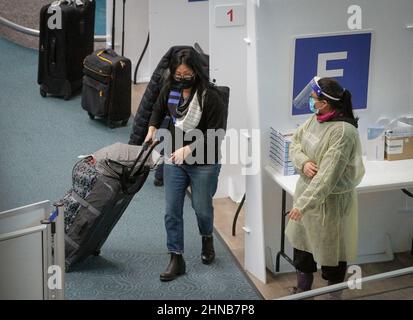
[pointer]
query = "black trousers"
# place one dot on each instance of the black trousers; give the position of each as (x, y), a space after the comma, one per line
(304, 262)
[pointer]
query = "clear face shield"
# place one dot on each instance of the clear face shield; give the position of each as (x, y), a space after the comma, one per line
(301, 101)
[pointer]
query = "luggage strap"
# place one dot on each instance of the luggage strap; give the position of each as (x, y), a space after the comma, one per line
(71, 242)
(99, 55)
(85, 204)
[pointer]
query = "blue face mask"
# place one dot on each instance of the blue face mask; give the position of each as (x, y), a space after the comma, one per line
(311, 103)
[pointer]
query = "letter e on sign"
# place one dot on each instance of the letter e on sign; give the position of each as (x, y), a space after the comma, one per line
(230, 16)
(345, 57)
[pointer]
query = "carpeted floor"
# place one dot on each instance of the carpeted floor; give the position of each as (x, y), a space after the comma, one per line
(40, 139)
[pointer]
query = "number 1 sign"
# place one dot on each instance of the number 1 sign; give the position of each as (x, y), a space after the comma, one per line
(229, 16)
(230, 13)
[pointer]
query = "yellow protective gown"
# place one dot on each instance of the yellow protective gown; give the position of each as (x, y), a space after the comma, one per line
(328, 201)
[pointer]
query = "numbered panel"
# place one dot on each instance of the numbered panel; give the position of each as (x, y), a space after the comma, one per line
(230, 16)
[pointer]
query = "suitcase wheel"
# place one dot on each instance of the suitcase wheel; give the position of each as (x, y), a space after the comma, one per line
(43, 92)
(111, 124)
(66, 96)
(91, 116)
(96, 253)
(124, 122)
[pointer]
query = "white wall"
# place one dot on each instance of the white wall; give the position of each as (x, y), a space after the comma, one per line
(233, 63)
(136, 32)
(390, 82)
(228, 57)
(390, 94)
(176, 22)
(254, 222)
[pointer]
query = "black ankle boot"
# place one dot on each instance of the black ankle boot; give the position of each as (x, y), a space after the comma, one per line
(208, 252)
(175, 268)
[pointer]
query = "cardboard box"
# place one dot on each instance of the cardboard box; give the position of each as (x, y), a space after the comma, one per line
(399, 147)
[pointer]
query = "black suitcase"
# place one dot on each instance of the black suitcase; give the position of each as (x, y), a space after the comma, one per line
(103, 207)
(62, 50)
(106, 90)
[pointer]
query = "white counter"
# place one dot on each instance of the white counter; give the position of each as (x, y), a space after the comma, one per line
(380, 176)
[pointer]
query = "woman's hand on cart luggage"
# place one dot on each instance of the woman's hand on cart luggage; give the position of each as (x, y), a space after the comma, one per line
(180, 155)
(150, 136)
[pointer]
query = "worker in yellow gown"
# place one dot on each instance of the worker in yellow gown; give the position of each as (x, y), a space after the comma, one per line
(326, 151)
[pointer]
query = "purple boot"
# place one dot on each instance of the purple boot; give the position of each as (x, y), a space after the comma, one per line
(304, 282)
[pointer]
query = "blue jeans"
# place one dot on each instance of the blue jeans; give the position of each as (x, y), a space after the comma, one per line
(203, 180)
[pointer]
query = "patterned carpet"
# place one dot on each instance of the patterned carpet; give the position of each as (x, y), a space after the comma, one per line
(40, 140)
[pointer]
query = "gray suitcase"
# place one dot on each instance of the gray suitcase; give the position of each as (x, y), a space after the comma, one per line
(104, 205)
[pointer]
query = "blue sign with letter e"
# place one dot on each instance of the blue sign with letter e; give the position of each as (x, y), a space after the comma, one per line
(345, 58)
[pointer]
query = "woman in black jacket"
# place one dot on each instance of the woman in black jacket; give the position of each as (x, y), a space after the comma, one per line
(193, 141)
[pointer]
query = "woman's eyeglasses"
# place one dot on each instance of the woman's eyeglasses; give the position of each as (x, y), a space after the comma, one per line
(179, 77)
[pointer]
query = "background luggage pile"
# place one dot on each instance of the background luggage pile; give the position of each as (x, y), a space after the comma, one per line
(67, 62)
(63, 46)
(106, 88)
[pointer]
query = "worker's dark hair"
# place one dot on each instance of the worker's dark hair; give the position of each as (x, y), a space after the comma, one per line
(344, 106)
(192, 59)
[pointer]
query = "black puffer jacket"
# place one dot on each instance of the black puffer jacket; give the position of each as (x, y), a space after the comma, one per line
(140, 124)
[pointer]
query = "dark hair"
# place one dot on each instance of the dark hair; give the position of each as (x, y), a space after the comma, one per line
(192, 59)
(344, 106)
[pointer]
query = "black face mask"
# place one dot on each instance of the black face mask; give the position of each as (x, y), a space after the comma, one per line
(184, 84)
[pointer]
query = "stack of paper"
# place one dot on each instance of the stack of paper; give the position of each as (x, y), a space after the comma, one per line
(279, 149)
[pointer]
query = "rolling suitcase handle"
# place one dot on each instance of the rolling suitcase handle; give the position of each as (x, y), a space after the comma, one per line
(127, 177)
(99, 55)
(109, 52)
(113, 25)
(127, 173)
(145, 147)
(123, 28)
